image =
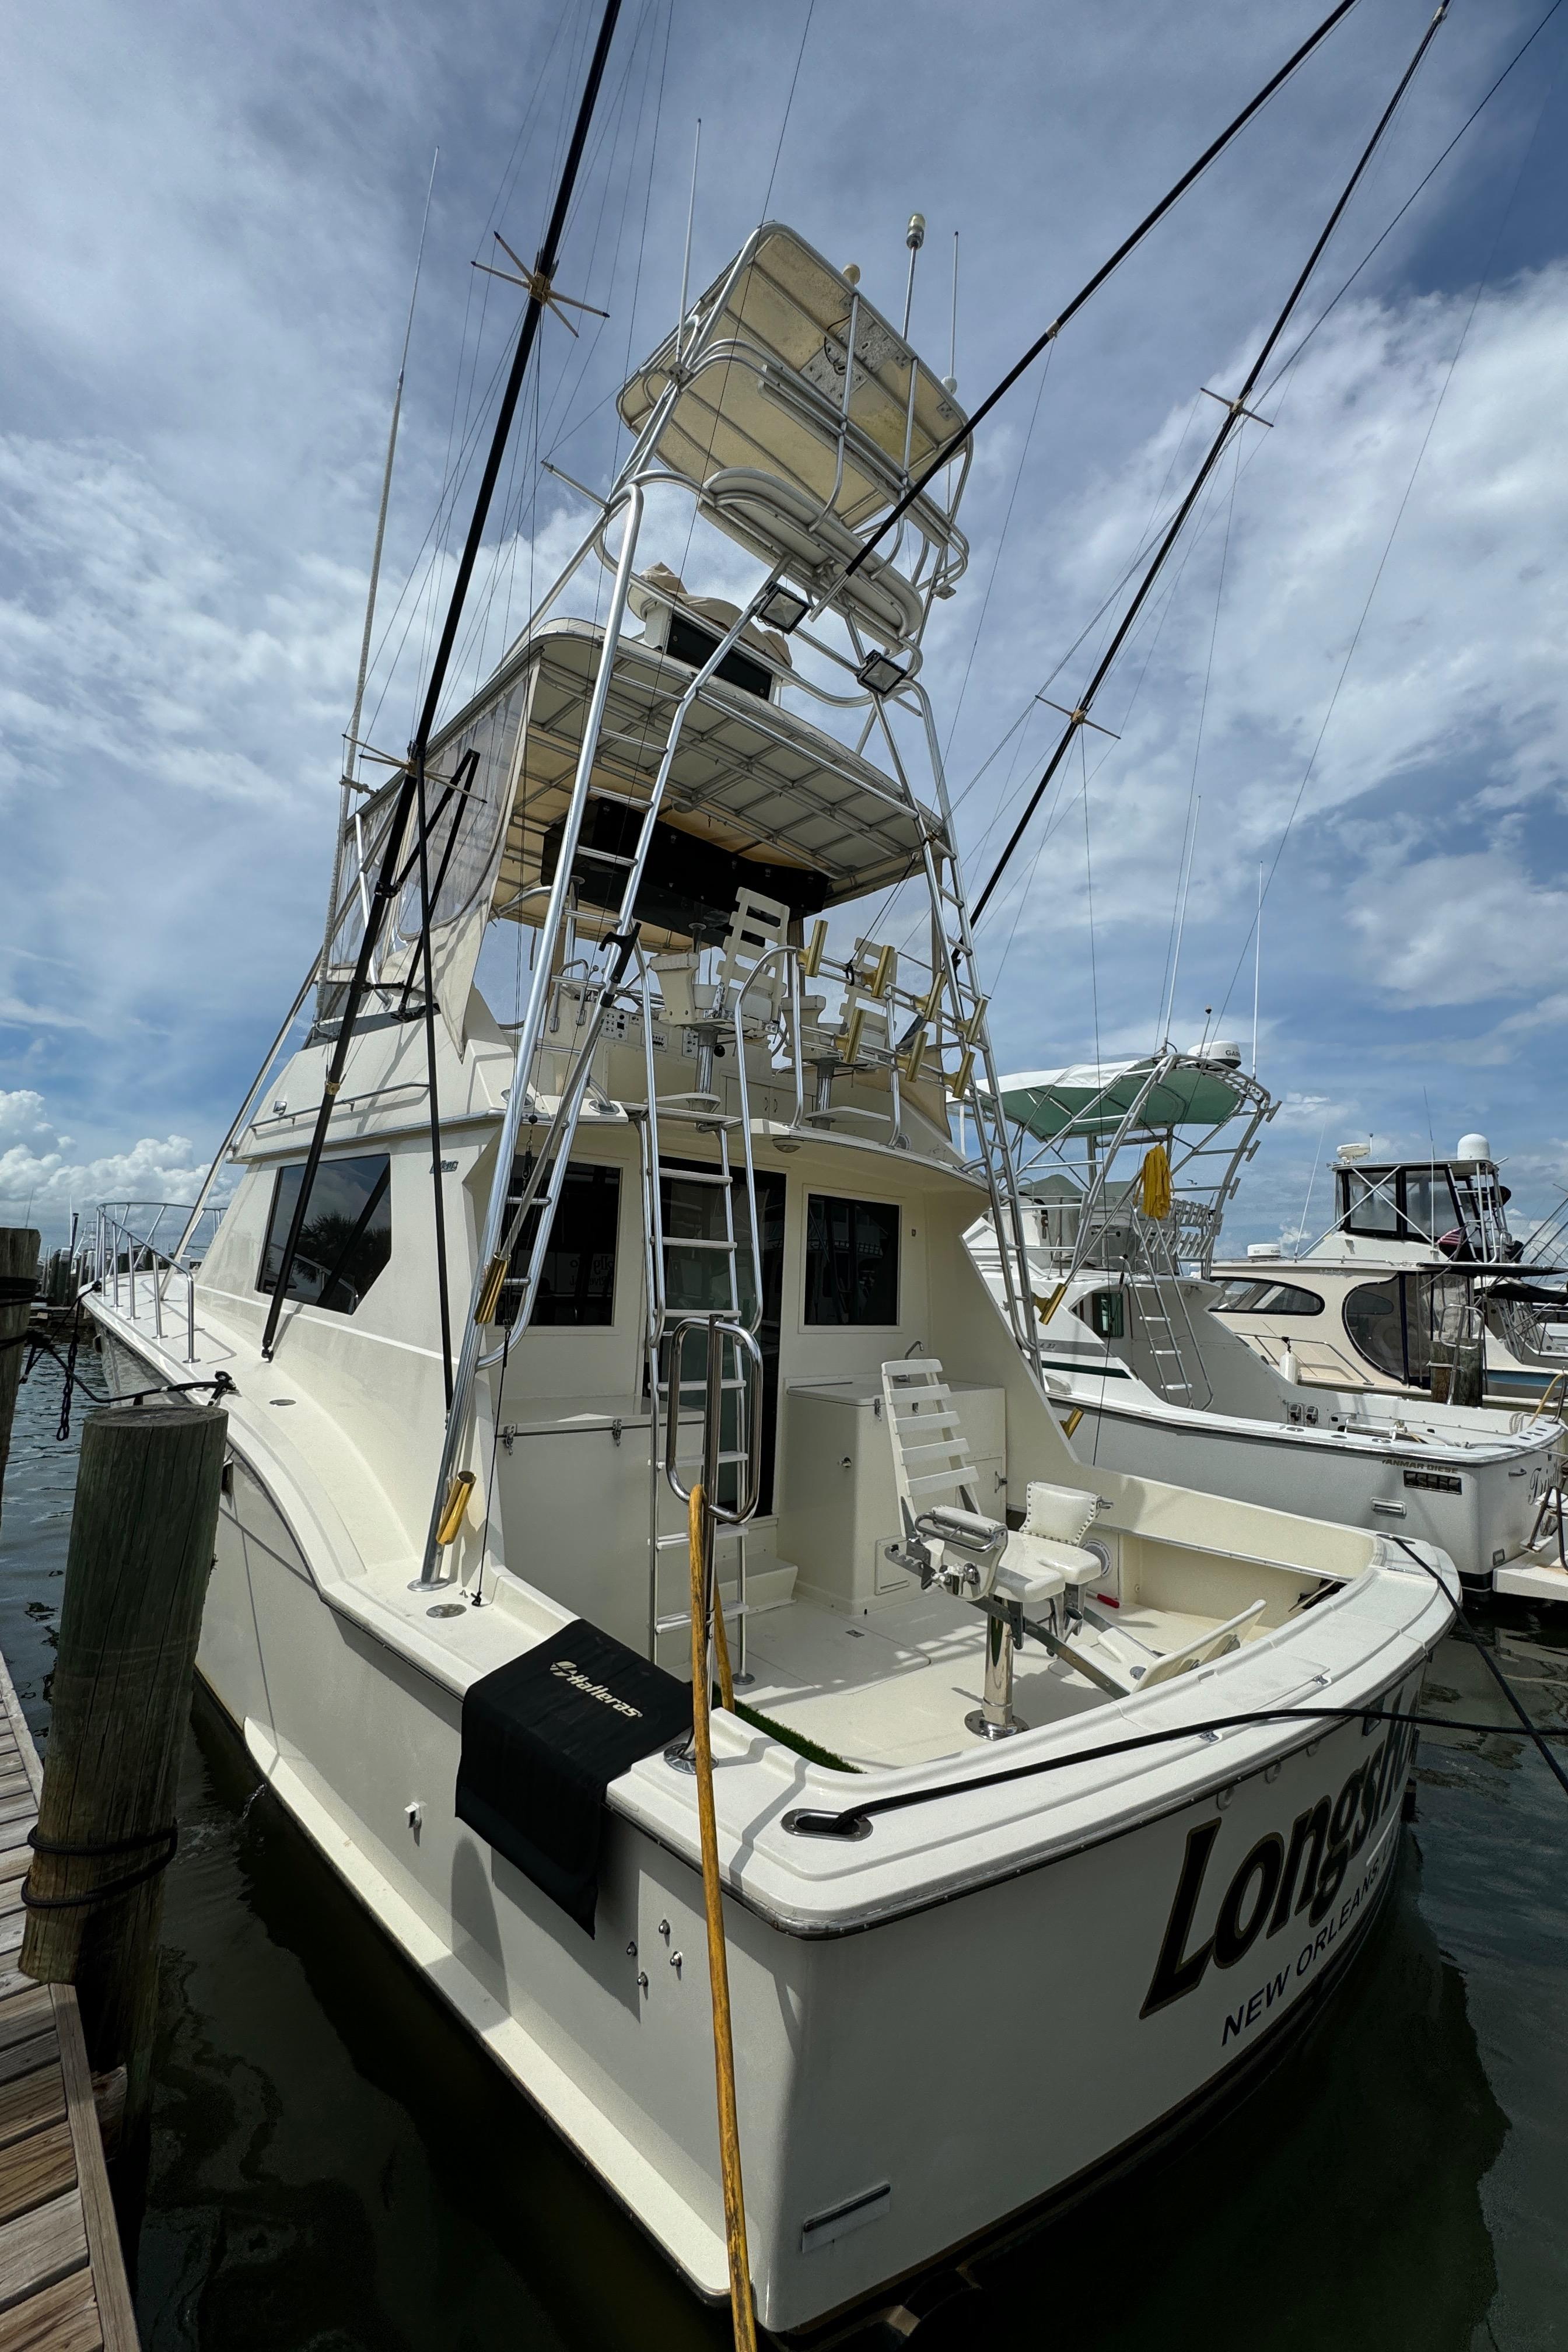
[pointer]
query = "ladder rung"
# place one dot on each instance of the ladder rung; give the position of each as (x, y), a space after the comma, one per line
(961, 1475)
(694, 1175)
(682, 1619)
(670, 1241)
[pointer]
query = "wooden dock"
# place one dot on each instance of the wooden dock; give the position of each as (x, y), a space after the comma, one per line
(62, 2276)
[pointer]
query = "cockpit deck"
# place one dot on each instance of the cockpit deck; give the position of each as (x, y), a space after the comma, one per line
(897, 1688)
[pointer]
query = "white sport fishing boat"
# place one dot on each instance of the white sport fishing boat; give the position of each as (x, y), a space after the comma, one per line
(700, 1210)
(1126, 1169)
(1417, 1285)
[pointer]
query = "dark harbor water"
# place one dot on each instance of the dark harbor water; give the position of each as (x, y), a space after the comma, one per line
(335, 2167)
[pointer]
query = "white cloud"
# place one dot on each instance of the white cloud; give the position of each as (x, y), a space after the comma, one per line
(1463, 930)
(38, 1180)
(1458, 662)
(127, 640)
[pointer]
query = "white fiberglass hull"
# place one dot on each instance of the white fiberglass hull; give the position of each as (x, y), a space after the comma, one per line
(1482, 1519)
(1129, 1945)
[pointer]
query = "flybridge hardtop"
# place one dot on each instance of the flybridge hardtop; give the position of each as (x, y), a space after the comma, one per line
(694, 1218)
(1154, 1092)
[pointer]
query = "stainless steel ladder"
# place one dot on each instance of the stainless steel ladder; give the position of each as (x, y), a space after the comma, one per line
(702, 1112)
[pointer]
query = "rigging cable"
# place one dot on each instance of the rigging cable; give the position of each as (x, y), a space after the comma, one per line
(1163, 1019)
(1107, 269)
(1388, 545)
(1288, 364)
(1267, 390)
(1234, 409)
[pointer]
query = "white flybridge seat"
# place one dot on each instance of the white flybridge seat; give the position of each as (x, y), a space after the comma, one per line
(1012, 1574)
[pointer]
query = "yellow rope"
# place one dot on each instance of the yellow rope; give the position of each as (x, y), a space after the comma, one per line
(741, 2306)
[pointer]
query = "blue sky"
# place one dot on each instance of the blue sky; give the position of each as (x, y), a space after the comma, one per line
(214, 219)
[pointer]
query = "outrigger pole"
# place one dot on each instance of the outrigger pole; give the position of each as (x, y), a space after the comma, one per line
(949, 449)
(351, 759)
(412, 784)
(1233, 411)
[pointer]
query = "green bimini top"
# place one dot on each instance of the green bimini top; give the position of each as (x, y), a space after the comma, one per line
(1093, 1098)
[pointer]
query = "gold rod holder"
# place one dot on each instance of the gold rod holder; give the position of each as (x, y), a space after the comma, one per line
(457, 1494)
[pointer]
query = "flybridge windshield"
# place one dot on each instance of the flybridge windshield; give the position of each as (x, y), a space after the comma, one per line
(1460, 1212)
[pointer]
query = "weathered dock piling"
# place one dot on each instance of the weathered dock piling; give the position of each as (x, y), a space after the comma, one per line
(19, 1282)
(136, 1577)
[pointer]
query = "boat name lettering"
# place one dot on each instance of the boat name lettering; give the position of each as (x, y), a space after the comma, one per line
(1280, 1876)
(570, 1671)
(1260, 2003)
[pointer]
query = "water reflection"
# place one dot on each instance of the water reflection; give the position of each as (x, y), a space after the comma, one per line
(1325, 2210)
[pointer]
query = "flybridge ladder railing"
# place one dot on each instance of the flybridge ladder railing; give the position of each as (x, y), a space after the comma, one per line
(702, 1111)
(995, 1148)
(606, 976)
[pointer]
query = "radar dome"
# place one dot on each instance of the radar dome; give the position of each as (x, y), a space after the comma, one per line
(1473, 1147)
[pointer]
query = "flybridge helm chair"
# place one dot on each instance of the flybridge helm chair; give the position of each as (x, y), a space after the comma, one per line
(1013, 1576)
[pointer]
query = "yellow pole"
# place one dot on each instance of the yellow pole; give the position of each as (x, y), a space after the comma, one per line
(740, 2307)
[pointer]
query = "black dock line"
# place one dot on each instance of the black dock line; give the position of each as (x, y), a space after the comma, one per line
(856, 1821)
(1536, 1733)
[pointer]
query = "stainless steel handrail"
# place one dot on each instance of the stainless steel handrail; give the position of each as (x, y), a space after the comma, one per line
(719, 1328)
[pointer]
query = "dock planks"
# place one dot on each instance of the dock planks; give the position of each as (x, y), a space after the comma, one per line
(62, 2277)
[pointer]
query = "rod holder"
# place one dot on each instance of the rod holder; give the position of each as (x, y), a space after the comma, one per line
(458, 1493)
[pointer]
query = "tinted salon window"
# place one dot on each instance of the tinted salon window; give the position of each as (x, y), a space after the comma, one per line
(851, 1261)
(346, 1238)
(577, 1280)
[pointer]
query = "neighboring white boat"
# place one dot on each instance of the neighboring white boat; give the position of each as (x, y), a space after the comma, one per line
(1417, 1280)
(1126, 1169)
(707, 1117)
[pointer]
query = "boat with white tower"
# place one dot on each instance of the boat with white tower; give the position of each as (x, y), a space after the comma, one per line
(575, 1365)
(1127, 1169)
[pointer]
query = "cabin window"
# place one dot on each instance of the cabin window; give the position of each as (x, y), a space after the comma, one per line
(346, 1238)
(1374, 1319)
(1105, 1312)
(851, 1261)
(1267, 1298)
(578, 1279)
